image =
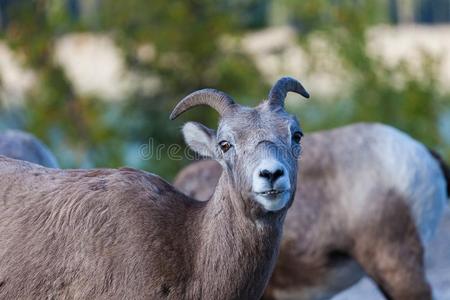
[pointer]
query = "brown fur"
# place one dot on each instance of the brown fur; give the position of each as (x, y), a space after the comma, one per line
(390, 250)
(327, 245)
(192, 179)
(126, 234)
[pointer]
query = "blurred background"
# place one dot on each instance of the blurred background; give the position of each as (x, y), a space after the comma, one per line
(97, 79)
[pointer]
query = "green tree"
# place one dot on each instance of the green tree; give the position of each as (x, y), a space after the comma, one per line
(186, 36)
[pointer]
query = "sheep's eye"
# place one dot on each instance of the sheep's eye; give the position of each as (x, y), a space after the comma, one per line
(224, 146)
(297, 137)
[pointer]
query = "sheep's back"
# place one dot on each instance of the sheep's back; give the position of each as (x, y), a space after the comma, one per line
(83, 233)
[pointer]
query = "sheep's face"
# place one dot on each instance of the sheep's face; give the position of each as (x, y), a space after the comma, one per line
(258, 149)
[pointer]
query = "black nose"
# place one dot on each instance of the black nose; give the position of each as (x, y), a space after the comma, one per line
(271, 176)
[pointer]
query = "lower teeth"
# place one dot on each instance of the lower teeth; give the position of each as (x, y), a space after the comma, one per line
(271, 193)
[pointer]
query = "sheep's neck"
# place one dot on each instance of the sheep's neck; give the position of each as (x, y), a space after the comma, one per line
(235, 255)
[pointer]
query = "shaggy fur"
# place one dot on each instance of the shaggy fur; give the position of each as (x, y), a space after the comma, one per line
(109, 234)
(368, 197)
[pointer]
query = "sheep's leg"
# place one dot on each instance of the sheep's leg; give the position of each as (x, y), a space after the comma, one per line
(389, 249)
(397, 269)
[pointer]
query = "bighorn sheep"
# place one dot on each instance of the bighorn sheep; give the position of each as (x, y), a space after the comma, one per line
(369, 195)
(24, 146)
(128, 234)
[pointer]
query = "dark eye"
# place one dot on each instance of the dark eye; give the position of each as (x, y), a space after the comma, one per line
(297, 137)
(224, 146)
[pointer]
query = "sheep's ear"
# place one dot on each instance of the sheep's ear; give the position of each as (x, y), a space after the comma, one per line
(200, 139)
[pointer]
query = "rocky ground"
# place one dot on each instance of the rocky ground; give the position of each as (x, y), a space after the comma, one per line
(438, 269)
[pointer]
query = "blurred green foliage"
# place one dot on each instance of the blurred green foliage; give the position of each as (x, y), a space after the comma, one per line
(187, 36)
(416, 106)
(80, 128)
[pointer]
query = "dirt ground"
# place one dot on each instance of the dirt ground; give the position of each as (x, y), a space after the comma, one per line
(438, 269)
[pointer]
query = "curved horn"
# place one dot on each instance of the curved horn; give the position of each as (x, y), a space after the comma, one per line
(284, 85)
(218, 100)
